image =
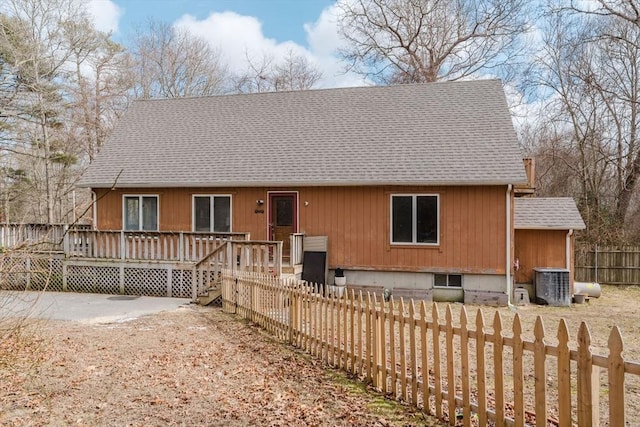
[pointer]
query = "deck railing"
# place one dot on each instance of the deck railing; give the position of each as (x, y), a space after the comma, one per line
(40, 237)
(145, 245)
(257, 256)
(297, 240)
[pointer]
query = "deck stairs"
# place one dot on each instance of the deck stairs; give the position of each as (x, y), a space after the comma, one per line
(211, 295)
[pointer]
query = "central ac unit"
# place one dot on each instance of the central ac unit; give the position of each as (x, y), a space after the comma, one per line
(552, 286)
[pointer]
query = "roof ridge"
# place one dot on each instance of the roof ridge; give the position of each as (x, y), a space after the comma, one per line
(317, 90)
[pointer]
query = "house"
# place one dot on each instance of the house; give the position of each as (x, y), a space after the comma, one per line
(413, 185)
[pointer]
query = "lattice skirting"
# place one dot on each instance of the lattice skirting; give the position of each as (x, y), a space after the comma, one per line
(54, 273)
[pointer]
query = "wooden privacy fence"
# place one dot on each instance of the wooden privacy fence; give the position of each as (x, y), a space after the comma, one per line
(466, 371)
(615, 265)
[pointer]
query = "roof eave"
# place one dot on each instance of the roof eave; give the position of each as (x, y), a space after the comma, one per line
(550, 227)
(245, 184)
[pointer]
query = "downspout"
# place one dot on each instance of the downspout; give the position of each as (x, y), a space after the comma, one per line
(508, 251)
(568, 258)
(568, 249)
(94, 208)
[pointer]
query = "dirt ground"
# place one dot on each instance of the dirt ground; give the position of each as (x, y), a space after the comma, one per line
(199, 366)
(617, 306)
(193, 366)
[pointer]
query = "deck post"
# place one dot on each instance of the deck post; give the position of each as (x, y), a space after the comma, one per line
(169, 277)
(123, 247)
(65, 241)
(181, 247)
(194, 284)
(231, 263)
(65, 276)
(28, 268)
(121, 279)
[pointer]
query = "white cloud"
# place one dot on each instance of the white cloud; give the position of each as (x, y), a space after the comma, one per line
(105, 13)
(324, 41)
(238, 37)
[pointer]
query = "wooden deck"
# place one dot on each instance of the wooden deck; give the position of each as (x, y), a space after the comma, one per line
(183, 264)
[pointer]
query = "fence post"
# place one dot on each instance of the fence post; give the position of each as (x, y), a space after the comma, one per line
(451, 379)
(518, 373)
(616, 379)
(596, 263)
(291, 297)
(540, 377)
(378, 342)
(588, 398)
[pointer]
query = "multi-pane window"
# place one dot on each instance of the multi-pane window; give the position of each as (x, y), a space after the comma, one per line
(447, 280)
(415, 219)
(212, 214)
(141, 213)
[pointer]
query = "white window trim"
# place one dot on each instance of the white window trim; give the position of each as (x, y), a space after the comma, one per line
(140, 196)
(414, 219)
(211, 196)
(448, 286)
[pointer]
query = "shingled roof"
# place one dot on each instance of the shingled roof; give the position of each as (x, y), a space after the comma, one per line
(556, 213)
(451, 133)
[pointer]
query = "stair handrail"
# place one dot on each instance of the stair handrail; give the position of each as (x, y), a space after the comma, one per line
(198, 269)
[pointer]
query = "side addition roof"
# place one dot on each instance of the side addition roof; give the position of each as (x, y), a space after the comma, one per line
(551, 213)
(450, 133)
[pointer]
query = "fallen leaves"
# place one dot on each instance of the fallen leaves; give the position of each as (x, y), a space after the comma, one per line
(195, 366)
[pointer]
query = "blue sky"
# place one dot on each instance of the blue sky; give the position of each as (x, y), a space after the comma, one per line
(241, 29)
(281, 20)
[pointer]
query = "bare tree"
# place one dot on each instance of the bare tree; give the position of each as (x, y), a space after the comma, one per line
(49, 53)
(402, 41)
(33, 44)
(173, 63)
(100, 85)
(590, 75)
(293, 72)
(628, 10)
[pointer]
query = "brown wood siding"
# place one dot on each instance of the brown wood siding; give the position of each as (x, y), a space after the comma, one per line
(357, 221)
(540, 248)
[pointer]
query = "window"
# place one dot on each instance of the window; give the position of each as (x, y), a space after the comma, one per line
(415, 219)
(447, 280)
(212, 214)
(141, 213)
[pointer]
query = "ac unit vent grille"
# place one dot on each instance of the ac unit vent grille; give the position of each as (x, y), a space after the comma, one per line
(552, 287)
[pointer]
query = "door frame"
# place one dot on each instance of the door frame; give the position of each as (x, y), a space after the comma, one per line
(296, 209)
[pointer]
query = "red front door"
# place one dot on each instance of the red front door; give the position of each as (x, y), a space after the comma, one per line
(283, 219)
